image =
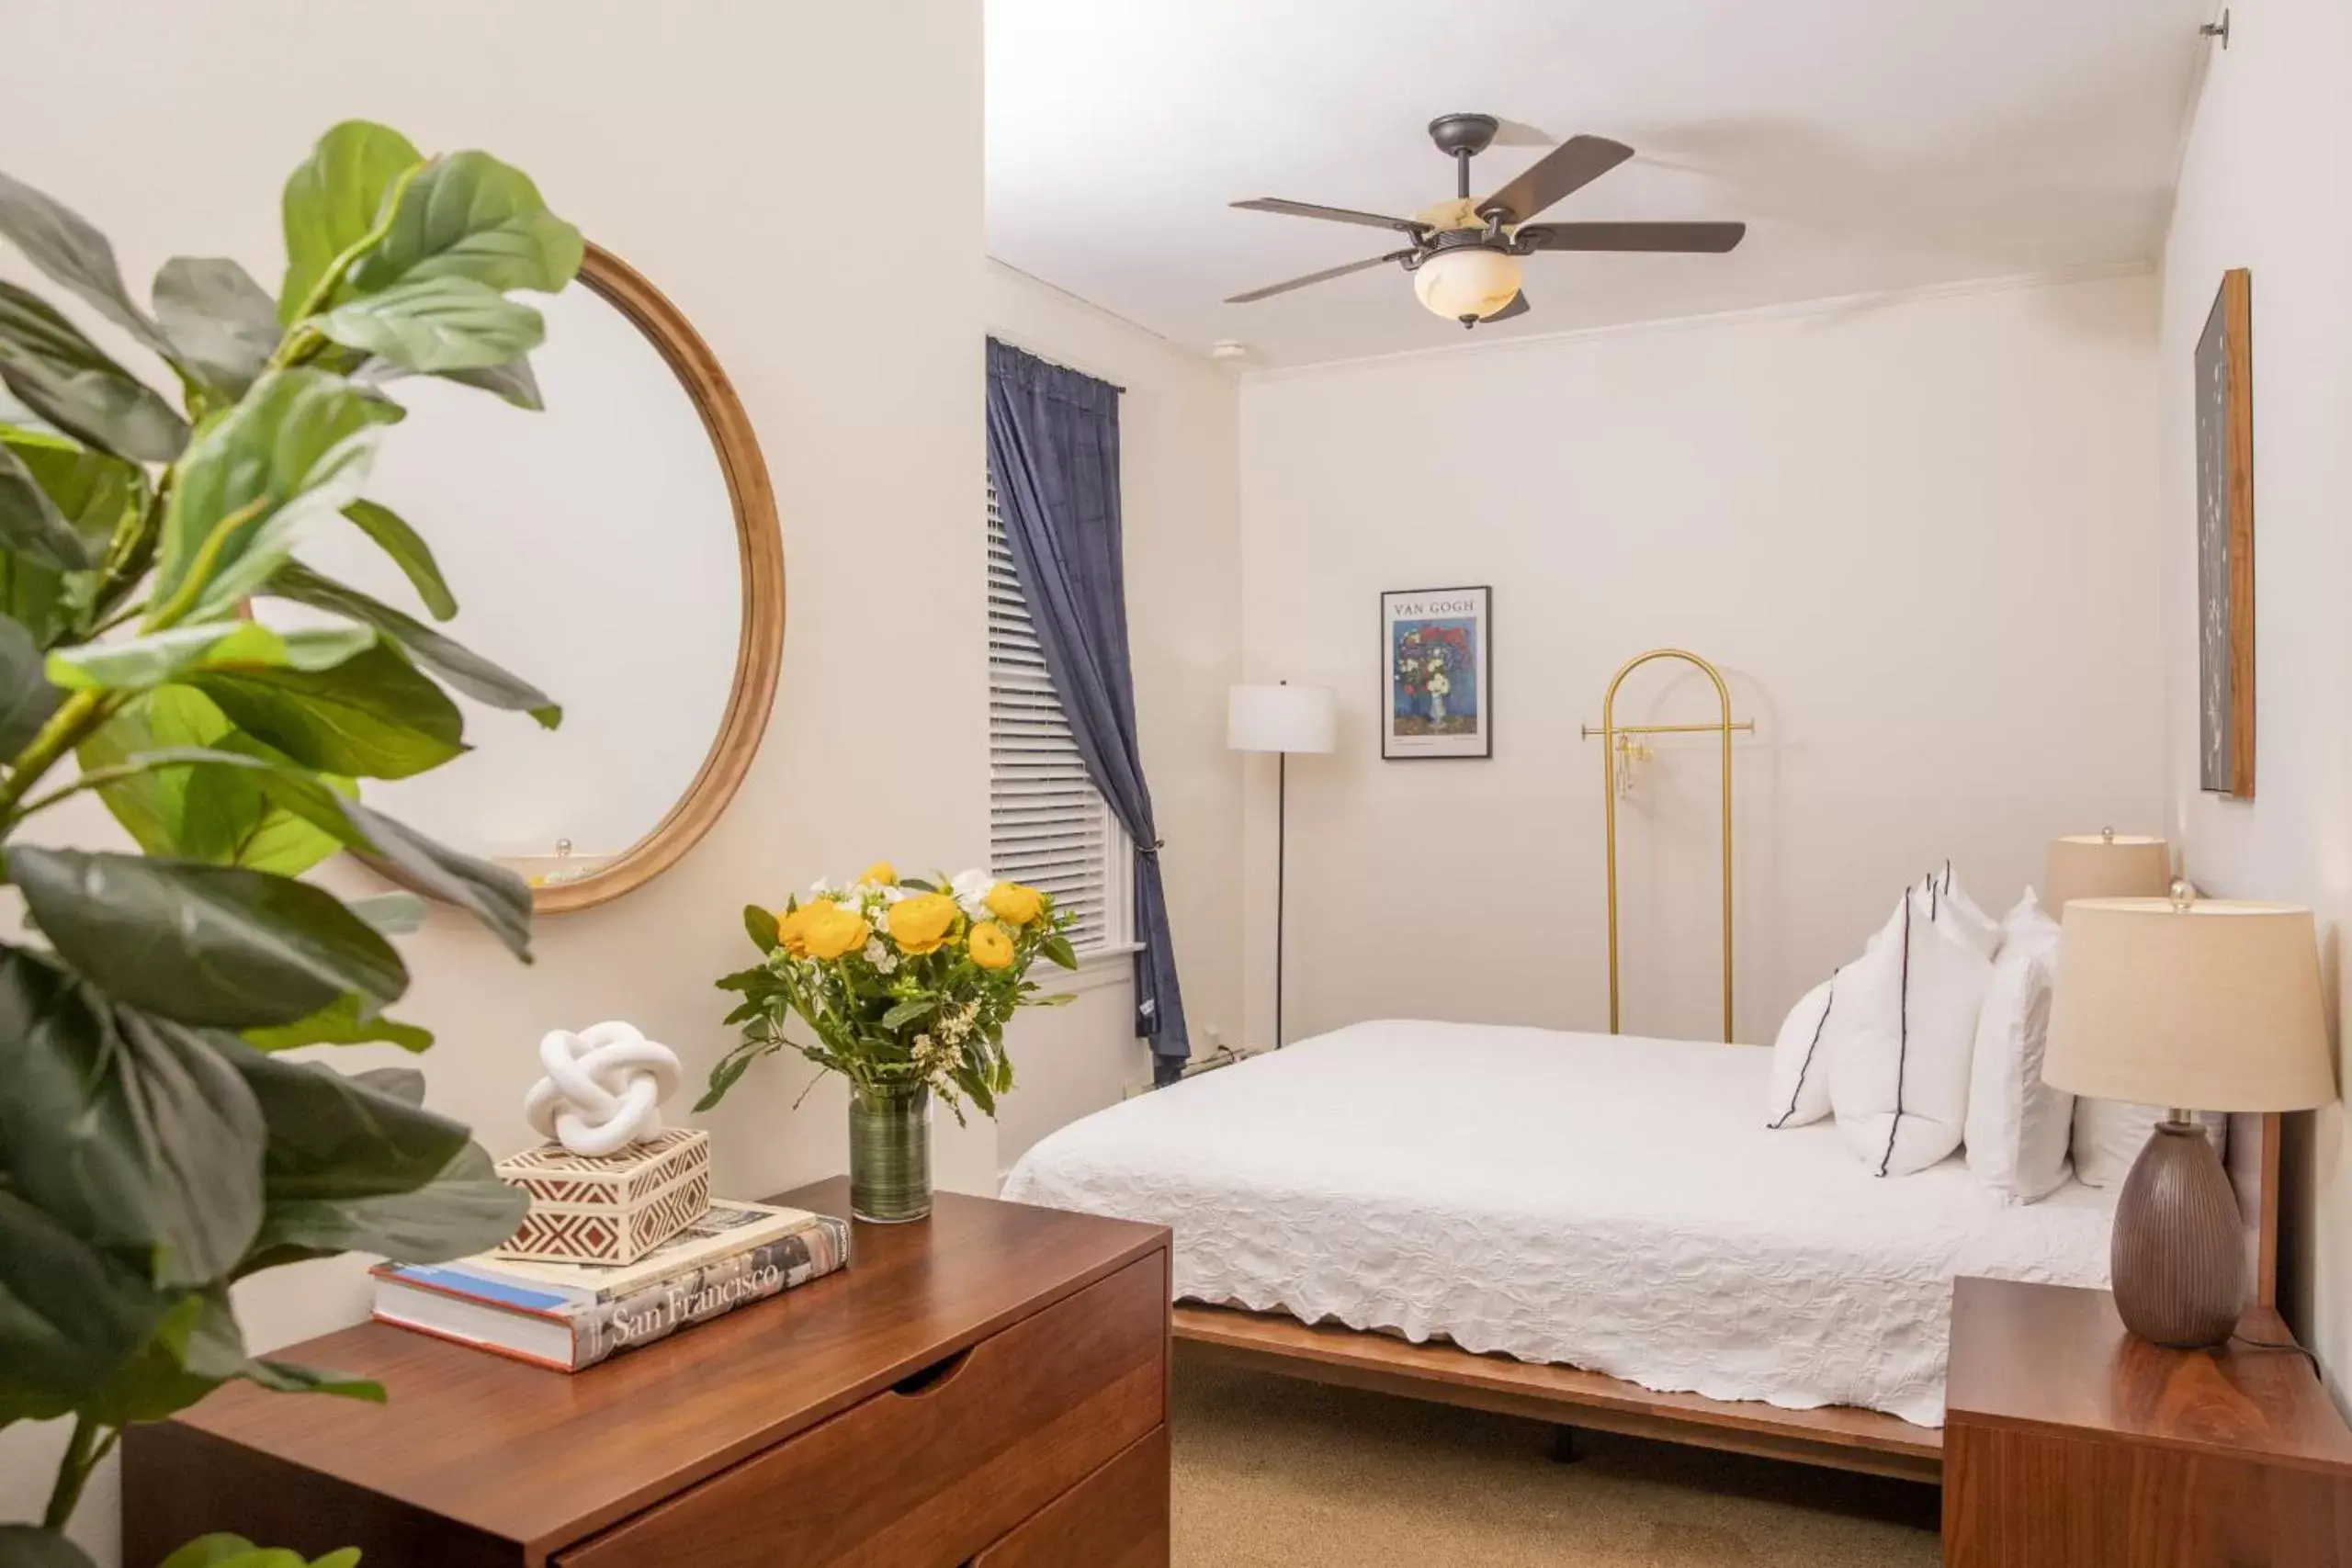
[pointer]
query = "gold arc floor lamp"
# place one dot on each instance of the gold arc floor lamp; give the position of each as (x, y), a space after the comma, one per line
(1281, 719)
(1620, 750)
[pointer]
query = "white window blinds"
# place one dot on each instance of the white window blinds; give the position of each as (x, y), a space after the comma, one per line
(1047, 824)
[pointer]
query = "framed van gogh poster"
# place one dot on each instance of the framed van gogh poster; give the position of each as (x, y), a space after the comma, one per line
(1441, 674)
(2225, 541)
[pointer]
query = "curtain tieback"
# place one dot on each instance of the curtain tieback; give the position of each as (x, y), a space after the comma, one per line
(1152, 850)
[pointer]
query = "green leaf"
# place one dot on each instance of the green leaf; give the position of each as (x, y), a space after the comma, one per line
(434, 324)
(372, 716)
(222, 326)
(468, 215)
(29, 1546)
(69, 1316)
(142, 663)
(97, 496)
(30, 523)
(26, 698)
(131, 1130)
(514, 382)
(355, 1165)
(461, 667)
(174, 811)
(293, 450)
(906, 1012)
(761, 925)
(495, 896)
(62, 377)
(333, 199)
(409, 552)
(1056, 947)
(205, 944)
(67, 247)
(340, 1023)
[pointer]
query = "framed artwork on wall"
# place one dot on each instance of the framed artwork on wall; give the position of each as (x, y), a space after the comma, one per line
(1439, 678)
(2225, 541)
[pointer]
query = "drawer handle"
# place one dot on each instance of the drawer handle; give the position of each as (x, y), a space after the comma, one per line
(914, 1386)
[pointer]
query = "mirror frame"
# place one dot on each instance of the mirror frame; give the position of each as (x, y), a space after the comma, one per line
(759, 652)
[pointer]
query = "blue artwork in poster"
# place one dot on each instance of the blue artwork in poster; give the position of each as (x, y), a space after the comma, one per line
(1435, 688)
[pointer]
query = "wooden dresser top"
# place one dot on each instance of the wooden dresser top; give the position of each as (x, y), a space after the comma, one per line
(2055, 1358)
(535, 1457)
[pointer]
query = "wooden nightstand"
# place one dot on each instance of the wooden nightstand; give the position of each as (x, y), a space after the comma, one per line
(986, 1389)
(2068, 1443)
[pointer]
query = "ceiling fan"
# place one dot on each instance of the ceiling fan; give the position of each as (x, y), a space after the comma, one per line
(1464, 255)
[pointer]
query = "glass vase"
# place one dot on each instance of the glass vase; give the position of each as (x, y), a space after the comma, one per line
(889, 1153)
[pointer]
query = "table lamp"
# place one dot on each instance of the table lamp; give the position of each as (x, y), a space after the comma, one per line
(2201, 1004)
(2106, 865)
(1282, 719)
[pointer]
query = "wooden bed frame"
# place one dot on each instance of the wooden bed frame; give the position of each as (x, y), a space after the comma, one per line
(1840, 1436)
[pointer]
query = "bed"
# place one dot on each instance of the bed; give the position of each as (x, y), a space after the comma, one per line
(1593, 1228)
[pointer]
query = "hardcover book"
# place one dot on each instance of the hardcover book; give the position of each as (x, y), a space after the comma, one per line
(571, 1317)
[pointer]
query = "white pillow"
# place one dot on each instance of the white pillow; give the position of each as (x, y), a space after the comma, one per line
(2109, 1132)
(2017, 1126)
(1800, 1086)
(1900, 1038)
(1948, 901)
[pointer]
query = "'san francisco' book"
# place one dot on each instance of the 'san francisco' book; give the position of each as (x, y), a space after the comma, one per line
(571, 1315)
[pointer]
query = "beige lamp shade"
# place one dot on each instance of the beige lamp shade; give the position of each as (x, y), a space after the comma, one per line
(2105, 865)
(1281, 719)
(2210, 1005)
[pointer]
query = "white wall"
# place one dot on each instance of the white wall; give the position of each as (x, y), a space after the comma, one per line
(1916, 536)
(2272, 115)
(693, 149)
(1180, 495)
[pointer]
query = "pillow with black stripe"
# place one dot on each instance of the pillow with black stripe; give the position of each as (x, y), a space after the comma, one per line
(1902, 1034)
(1800, 1087)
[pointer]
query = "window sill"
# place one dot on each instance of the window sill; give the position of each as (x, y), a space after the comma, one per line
(1097, 967)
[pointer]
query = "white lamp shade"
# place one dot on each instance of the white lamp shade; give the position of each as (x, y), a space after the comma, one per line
(1474, 281)
(1281, 719)
(2213, 1006)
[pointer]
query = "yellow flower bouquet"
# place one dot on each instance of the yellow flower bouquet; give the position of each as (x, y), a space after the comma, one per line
(904, 987)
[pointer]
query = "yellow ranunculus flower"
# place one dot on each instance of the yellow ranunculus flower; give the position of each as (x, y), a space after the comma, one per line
(1015, 903)
(991, 949)
(792, 928)
(920, 924)
(882, 873)
(832, 930)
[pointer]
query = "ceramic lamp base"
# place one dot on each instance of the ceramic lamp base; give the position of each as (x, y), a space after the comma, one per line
(2178, 1252)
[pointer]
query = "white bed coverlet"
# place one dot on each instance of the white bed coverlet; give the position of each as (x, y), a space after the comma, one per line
(1611, 1203)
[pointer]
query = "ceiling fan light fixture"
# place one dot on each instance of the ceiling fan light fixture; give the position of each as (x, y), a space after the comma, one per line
(1472, 282)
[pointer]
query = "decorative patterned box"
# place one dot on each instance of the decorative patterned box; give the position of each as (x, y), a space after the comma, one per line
(611, 1208)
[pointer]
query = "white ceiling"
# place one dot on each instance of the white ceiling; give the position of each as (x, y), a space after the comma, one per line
(1869, 144)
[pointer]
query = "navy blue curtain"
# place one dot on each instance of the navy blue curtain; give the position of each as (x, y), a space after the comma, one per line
(1054, 453)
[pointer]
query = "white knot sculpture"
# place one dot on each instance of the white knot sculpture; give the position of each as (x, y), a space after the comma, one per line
(604, 1088)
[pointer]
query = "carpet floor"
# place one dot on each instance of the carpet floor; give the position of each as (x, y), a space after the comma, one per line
(1272, 1472)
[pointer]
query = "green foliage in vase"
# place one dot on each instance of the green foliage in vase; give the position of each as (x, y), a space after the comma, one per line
(155, 1147)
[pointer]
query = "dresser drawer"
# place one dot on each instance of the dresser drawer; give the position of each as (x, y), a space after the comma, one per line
(926, 1474)
(1116, 1517)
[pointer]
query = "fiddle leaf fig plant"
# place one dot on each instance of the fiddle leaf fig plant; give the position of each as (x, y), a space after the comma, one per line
(156, 1144)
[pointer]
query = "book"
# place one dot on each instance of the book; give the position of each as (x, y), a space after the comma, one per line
(569, 1316)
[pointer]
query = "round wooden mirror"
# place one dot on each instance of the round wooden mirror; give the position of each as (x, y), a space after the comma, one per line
(618, 549)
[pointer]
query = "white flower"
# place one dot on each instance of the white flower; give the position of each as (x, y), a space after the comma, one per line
(971, 891)
(893, 893)
(821, 888)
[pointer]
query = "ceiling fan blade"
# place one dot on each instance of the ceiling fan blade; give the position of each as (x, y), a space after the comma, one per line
(1711, 237)
(1334, 214)
(1572, 165)
(1518, 307)
(1328, 274)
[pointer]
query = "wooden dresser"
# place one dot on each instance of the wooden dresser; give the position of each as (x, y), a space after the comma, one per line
(2069, 1443)
(989, 1387)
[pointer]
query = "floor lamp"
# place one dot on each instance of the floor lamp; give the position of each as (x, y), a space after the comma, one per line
(1282, 719)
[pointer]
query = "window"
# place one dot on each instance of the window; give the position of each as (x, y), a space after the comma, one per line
(1049, 826)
